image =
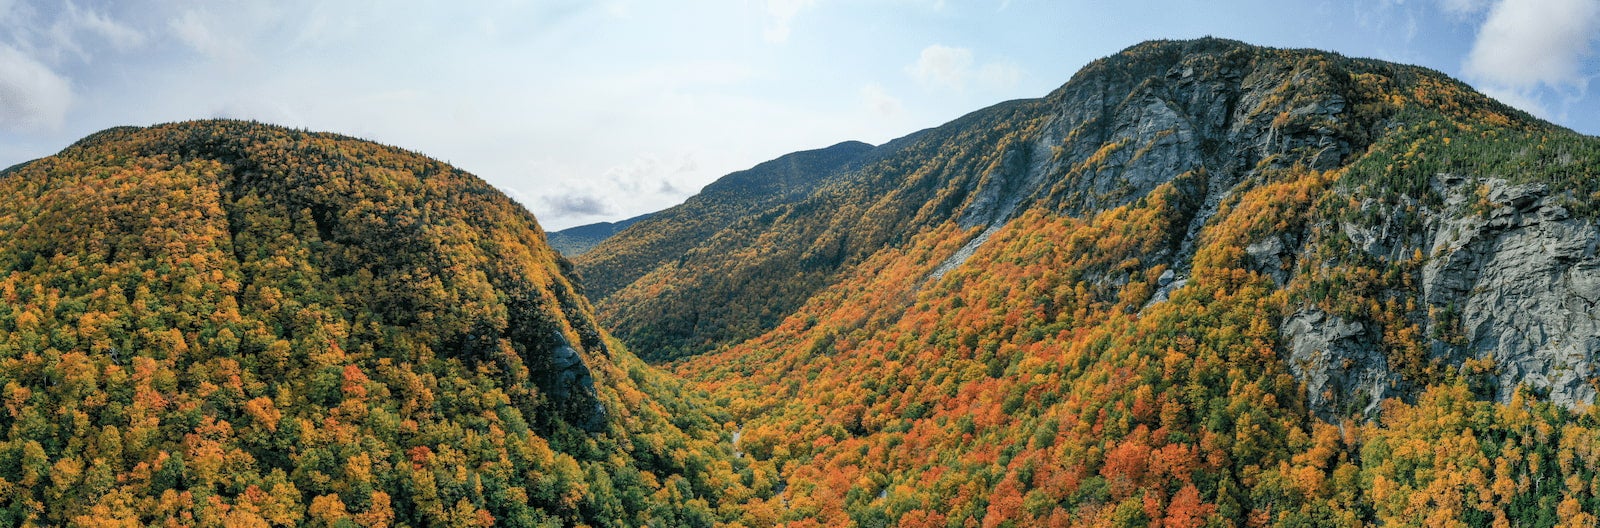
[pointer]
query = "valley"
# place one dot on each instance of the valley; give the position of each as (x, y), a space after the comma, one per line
(1202, 283)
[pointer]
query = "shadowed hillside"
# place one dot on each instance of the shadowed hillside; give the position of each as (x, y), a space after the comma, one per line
(228, 323)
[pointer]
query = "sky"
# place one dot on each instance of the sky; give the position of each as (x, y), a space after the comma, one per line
(587, 111)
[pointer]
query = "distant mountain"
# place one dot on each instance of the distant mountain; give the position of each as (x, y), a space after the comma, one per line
(228, 323)
(1202, 284)
(668, 234)
(574, 241)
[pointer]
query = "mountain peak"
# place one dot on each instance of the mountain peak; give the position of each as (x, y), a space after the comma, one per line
(795, 171)
(250, 321)
(1199, 116)
(1202, 282)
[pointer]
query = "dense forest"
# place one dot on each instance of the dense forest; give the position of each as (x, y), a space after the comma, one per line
(667, 236)
(1122, 347)
(1203, 283)
(227, 323)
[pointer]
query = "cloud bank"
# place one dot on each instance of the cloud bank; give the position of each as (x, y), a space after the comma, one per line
(32, 96)
(35, 43)
(783, 13)
(1526, 49)
(951, 67)
(577, 205)
(1531, 42)
(940, 65)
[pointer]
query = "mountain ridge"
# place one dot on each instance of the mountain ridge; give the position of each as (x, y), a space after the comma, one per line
(576, 240)
(769, 183)
(224, 322)
(1201, 283)
(1018, 172)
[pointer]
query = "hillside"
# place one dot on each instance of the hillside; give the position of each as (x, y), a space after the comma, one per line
(1202, 283)
(228, 323)
(577, 240)
(715, 288)
(723, 206)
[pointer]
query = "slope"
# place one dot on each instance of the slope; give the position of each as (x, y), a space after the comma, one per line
(742, 279)
(1128, 123)
(1203, 283)
(222, 322)
(574, 241)
(622, 259)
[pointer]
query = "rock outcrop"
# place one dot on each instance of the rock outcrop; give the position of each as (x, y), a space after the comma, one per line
(1498, 272)
(1509, 277)
(1524, 278)
(571, 388)
(1340, 363)
(1213, 112)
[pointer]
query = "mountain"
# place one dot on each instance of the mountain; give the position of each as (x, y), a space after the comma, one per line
(1202, 283)
(667, 234)
(228, 323)
(787, 178)
(574, 241)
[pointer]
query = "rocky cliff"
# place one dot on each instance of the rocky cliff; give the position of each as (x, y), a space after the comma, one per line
(1202, 283)
(1504, 238)
(1508, 277)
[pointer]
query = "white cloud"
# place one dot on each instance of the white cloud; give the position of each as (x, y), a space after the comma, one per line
(879, 100)
(31, 95)
(999, 75)
(567, 196)
(951, 67)
(940, 65)
(63, 32)
(783, 13)
(1463, 7)
(193, 29)
(120, 36)
(1526, 43)
(579, 205)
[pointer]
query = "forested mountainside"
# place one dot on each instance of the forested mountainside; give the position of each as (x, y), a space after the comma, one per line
(1203, 283)
(227, 323)
(668, 234)
(574, 241)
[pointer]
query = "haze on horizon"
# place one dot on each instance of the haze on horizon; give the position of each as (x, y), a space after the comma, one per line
(593, 111)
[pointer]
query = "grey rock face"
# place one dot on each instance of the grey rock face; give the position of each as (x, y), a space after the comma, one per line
(1509, 277)
(1109, 140)
(1272, 257)
(1525, 280)
(1517, 280)
(1164, 292)
(571, 388)
(1160, 143)
(1340, 363)
(998, 195)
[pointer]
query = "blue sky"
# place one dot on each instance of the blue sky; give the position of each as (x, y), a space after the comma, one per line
(589, 111)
